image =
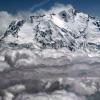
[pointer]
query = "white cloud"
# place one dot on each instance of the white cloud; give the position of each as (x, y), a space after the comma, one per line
(5, 19)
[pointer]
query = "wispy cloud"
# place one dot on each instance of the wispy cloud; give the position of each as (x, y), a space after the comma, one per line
(38, 5)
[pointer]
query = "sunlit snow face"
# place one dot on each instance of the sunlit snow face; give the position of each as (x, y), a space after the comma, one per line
(58, 21)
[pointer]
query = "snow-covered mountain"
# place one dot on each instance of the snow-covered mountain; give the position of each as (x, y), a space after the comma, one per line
(63, 28)
(47, 46)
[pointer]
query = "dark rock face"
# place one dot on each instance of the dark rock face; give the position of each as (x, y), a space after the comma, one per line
(13, 28)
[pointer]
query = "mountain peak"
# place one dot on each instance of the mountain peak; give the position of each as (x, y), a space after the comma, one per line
(56, 29)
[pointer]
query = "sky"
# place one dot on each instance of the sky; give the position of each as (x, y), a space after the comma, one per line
(91, 7)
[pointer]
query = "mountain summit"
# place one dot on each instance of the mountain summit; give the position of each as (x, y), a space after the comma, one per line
(62, 28)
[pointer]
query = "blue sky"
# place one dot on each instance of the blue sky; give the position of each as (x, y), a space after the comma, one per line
(91, 7)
